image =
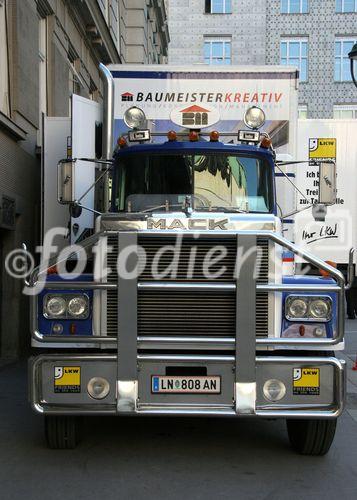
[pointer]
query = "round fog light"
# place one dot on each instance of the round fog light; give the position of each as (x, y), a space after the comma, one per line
(98, 388)
(318, 331)
(57, 328)
(274, 390)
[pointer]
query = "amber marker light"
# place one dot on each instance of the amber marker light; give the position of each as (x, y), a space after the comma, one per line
(121, 142)
(172, 136)
(265, 143)
(193, 136)
(214, 136)
(324, 273)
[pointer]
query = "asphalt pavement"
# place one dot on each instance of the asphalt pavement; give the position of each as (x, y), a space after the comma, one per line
(126, 458)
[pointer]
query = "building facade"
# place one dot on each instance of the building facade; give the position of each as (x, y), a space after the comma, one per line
(50, 49)
(217, 32)
(316, 36)
(313, 35)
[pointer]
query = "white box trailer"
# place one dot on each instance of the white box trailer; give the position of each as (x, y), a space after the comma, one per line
(332, 238)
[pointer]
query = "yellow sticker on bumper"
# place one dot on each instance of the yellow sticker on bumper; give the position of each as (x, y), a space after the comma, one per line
(306, 381)
(67, 379)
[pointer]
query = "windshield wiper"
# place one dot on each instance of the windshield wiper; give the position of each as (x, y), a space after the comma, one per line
(152, 209)
(224, 209)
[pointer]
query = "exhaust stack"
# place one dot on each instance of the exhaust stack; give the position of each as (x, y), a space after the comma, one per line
(108, 112)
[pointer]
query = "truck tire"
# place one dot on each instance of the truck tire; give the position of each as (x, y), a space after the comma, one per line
(61, 432)
(311, 436)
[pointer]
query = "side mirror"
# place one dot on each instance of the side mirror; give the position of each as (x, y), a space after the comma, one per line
(65, 182)
(327, 183)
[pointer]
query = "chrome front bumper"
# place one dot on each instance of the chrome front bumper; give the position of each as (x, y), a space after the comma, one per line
(235, 400)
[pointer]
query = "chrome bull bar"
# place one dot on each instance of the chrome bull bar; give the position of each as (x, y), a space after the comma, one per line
(245, 343)
(242, 236)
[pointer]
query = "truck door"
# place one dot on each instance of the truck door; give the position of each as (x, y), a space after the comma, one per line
(86, 119)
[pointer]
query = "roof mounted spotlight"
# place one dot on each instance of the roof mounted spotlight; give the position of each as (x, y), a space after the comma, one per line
(135, 118)
(254, 118)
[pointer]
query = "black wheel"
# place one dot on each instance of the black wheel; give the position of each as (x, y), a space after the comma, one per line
(61, 432)
(311, 437)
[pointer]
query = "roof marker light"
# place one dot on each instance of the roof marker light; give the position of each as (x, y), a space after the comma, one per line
(265, 142)
(171, 135)
(193, 136)
(214, 136)
(122, 142)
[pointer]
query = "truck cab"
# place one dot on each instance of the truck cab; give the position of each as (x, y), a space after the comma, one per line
(183, 307)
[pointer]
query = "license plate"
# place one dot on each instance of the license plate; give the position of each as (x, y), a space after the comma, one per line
(188, 385)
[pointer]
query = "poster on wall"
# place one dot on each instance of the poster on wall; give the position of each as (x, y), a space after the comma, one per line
(334, 140)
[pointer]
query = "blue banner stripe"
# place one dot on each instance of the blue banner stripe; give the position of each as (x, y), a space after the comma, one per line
(170, 75)
(279, 174)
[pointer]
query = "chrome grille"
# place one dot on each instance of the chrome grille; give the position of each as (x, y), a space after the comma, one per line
(188, 313)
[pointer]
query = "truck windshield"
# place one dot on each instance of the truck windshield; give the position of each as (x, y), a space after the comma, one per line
(205, 182)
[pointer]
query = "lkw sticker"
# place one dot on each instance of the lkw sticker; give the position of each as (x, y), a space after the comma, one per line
(67, 379)
(306, 381)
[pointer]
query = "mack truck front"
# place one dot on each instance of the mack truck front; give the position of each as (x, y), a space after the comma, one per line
(176, 302)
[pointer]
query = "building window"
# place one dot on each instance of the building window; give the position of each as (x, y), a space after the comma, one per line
(218, 51)
(218, 6)
(345, 111)
(342, 63)
(294, 6)
(4, 61)
(293, 52)
(302, 112)
(346, 6)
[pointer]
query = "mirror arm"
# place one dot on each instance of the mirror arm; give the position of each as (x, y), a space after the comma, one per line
(296, 212)
(94, 184)
(291, 182)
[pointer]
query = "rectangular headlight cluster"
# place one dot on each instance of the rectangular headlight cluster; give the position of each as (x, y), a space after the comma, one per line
(66, 306)
(308, 308)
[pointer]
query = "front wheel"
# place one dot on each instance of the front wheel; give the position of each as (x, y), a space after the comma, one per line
(311, 436)
(61, 432)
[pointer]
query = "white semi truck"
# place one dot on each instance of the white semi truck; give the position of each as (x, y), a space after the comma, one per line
(173, 300)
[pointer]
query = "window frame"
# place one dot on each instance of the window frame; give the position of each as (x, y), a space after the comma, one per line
(288, 12)
(345, 107)
(303, 109)
(341, 57)
(225, 5)
(223, 40)
(300, 41)
(342, 11)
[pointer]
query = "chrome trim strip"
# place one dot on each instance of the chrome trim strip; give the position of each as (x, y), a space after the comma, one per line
(82, 285)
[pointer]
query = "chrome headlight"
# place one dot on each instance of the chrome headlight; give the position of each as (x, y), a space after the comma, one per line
(308, 308)
(254, 117)
(54, 306)
(66, 306)
(135, 118)
(78, 306)
(320, 308)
